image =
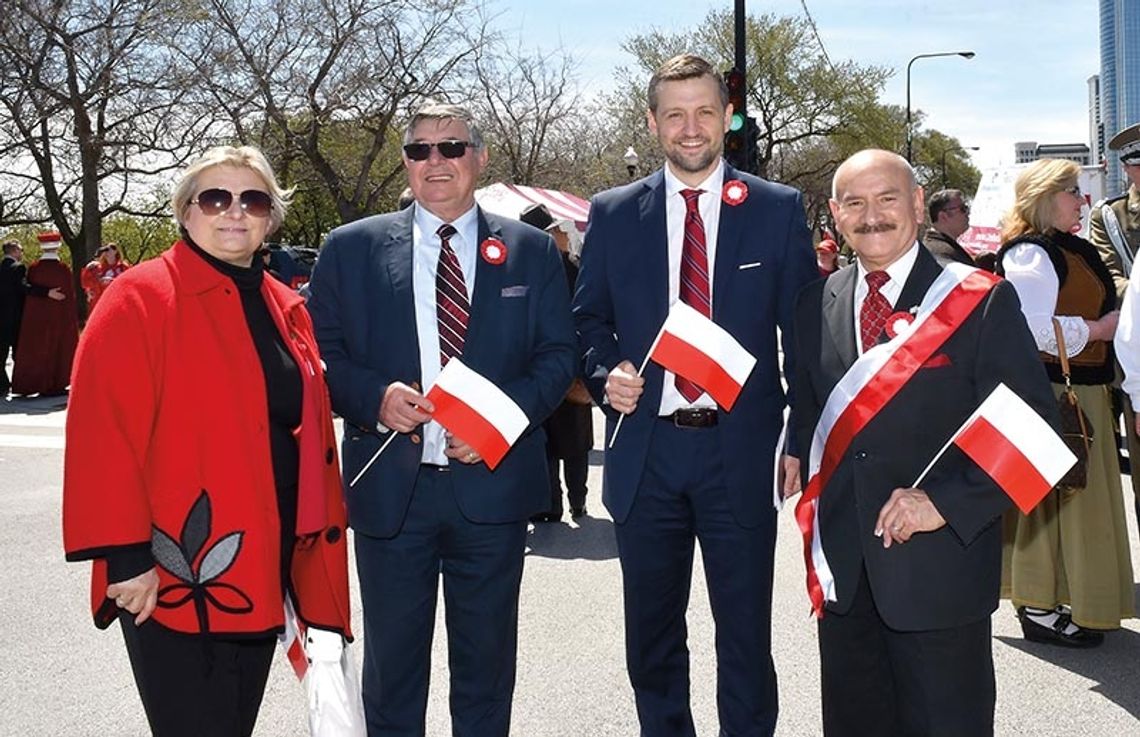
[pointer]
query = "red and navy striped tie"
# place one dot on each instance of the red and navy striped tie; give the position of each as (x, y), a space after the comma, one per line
(451, 304)
(694, 275)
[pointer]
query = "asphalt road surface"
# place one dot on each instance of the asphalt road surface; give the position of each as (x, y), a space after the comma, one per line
(61, 676)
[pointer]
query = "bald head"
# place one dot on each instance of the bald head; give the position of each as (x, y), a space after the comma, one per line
(877, 205)
(872, 157)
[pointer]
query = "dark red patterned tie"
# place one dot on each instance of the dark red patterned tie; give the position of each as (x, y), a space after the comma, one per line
(694, 276)
(451, 304)
(876, 309)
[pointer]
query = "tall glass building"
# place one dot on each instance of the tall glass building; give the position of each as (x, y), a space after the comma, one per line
(1119, 77)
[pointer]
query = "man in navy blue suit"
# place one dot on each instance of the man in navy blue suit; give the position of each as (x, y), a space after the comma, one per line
(394, 297)
(737, 248)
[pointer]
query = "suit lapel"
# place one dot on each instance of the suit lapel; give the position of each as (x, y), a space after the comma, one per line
(728, 237)
(392, 259)
(922, 275)
(655, 258)
(839, 314)
(488, 286)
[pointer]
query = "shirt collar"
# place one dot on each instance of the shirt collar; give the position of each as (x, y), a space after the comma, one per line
(898, 271)
(712, 183)
(428, 222)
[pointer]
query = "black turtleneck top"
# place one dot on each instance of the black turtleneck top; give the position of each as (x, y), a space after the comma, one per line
(283, 393)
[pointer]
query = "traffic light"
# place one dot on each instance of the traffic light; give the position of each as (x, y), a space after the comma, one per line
(736, 140)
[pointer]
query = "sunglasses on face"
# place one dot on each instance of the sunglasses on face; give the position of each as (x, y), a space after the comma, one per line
(964, 208)
(419, 151)
(253, 202)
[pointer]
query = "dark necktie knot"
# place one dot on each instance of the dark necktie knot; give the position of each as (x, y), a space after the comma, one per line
(876, 280)
(446, 231)
(692, 197)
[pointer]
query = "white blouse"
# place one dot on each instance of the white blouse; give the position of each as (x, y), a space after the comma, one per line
(1127, 340)
(1029, 269)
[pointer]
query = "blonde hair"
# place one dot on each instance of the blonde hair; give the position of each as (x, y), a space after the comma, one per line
(243, 157)
(1032, 210)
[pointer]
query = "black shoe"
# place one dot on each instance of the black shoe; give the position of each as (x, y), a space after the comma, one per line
(542, 517)
(1056, 634)
(576, 512)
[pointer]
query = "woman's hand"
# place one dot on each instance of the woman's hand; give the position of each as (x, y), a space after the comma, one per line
(138, 595)
(1105, 327)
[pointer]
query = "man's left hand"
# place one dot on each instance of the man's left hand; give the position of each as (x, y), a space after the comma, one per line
(458, 450)
(789, 475)
(907, 511)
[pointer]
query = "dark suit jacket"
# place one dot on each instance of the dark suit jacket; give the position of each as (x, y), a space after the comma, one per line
(944, 248)
(763, 257)
(14, 287)
(948, 577)
(523, 341)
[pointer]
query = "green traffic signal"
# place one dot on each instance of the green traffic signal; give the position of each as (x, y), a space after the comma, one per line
(737, 122)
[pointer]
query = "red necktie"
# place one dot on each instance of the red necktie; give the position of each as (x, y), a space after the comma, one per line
(451, 304)
(694, 276)
(876, 309)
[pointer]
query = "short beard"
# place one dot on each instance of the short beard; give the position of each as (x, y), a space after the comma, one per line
(699, 166)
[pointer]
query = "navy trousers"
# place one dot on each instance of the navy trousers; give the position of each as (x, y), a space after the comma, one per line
(682, 499)
(481, 566)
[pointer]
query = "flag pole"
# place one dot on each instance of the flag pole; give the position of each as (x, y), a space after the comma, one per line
(640, 371)
(373, 458)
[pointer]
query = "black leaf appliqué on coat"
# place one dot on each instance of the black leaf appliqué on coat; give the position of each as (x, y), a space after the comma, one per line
(199, 583)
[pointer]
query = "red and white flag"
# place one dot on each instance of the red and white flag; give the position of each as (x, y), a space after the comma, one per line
(292, 639)
(706, 354)
(474, 409)
(1018, 449)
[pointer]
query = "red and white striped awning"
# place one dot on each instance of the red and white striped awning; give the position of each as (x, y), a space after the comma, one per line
(509, 200)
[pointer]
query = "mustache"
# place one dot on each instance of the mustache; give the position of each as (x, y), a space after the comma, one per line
(878, 228)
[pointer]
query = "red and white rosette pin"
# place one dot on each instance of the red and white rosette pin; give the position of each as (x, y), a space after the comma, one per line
(493, 251)
(898, 323)
(734, 192)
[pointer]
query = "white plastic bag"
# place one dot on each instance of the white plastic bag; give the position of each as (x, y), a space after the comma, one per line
(335, 705)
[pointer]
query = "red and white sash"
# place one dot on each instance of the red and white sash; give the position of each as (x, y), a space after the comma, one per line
(871, 382)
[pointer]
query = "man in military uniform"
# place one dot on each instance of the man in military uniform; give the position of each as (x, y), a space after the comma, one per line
(1114, 228)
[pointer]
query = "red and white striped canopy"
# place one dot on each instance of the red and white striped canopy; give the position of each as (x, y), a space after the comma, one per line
(509, 200)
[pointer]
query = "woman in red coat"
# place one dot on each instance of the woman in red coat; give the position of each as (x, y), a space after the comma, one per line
(98, 275)
(200, 473)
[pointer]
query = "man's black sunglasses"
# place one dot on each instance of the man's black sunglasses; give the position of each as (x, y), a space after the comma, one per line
(216, 201)
(419, 151)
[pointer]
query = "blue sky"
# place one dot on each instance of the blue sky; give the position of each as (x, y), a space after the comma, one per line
(1028, 81)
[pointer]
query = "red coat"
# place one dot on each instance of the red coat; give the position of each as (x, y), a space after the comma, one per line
(97, 276)
(48, 333)
(168, 444)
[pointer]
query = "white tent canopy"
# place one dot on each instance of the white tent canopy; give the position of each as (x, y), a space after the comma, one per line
(509, 200)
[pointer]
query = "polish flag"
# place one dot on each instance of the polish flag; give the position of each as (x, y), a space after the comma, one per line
(472, 408)
(1018, 449)
(291, 641)
(698, 349)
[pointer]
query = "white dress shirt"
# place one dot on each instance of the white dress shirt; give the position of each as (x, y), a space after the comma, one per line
(898, 273)
(425, 259)
(709, 206)
(1028, 268)
(1127, 340)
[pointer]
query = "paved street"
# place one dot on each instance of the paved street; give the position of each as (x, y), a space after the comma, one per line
(61, 676)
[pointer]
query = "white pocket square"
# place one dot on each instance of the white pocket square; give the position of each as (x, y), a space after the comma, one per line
(752, 265)
(515, 291)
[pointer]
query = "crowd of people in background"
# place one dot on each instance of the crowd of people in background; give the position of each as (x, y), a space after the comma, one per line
(903, 574)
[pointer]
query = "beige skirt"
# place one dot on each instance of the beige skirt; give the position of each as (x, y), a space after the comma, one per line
(1073, 547)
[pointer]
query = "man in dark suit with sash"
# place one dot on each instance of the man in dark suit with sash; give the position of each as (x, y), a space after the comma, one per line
(904, 573)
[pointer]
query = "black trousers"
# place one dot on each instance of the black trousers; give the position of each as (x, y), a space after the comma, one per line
(191, 688)
(879, 682)
(576, 469)
(5, 348)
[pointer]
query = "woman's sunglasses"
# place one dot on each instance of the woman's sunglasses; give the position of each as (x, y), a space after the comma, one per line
(253, 202)
(419, 151)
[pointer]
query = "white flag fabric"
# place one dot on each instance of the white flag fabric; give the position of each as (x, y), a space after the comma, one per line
(703, 352)
(475, 410)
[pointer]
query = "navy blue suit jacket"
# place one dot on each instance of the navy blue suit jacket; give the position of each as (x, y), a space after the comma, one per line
(519, 336)
(763, 258)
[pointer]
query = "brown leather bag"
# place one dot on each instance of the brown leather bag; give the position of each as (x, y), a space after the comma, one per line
(1076, 430)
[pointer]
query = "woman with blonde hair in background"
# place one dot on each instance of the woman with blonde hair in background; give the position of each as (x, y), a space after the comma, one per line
(1068, 567)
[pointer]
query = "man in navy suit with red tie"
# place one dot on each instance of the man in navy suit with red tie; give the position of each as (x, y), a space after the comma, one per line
(394, 298)
(736, 249)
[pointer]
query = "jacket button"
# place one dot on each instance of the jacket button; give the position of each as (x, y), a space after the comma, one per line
(861, 455)
(329, 456)
(415, 439)
(332, 535)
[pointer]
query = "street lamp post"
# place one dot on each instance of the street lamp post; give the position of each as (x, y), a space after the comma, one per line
(630, 158)
(945, 151)
(909, 134)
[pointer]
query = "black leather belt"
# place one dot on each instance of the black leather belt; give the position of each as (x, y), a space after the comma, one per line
(434, 467)
(692, 418)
